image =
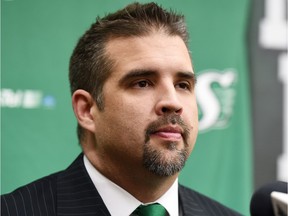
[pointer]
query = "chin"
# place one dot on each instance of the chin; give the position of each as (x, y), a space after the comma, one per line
(165, 162)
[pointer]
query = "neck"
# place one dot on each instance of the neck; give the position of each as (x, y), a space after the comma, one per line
(144, 185)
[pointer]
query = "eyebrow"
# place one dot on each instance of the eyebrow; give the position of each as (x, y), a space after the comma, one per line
(188, 75)
(140, 73)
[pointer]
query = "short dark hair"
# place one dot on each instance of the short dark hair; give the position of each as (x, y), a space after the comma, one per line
(90, 66)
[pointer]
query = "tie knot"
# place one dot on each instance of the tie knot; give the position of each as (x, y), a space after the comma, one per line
(150, 210)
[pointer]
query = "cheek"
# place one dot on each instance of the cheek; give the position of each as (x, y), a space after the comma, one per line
(136, 109)
(191, 113)
(126, 118)
(191, 119)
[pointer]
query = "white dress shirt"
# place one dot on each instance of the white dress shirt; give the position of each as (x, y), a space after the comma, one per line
(120, 203)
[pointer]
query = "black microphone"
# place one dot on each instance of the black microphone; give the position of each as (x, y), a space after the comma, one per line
(261, 202)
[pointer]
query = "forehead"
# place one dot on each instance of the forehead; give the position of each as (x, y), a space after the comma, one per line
(157, 52)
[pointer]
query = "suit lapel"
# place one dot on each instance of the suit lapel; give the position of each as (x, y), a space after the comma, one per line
(76, 193)
(189, 203)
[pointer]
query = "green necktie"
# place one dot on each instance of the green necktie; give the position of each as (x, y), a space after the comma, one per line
(150, 210)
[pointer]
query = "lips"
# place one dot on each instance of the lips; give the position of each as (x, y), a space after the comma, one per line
(173, 133)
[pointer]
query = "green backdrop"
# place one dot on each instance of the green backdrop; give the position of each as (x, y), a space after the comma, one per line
(38, 128)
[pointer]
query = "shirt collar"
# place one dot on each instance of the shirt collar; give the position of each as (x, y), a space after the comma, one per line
(119, 202)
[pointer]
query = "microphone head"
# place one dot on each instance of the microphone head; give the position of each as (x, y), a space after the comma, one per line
(261, 204)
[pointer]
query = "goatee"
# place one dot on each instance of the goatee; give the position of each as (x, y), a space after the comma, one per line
(155, 160)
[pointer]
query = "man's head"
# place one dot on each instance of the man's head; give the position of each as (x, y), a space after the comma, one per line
(90, 65)
(132, 82)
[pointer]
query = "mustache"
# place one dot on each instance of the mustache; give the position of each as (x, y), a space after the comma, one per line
(173, 119)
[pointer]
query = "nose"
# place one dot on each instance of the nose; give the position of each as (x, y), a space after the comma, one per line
(168, 103)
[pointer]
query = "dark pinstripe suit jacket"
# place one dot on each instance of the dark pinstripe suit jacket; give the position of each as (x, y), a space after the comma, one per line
(71, 192)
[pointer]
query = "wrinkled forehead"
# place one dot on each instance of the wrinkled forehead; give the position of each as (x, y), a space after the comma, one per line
(154, 51)
(153, 46)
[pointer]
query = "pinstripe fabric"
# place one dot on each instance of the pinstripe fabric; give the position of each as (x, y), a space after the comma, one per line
(37, 198)
(196, 204)
(67, 193)
(77, 194)
(72, 193)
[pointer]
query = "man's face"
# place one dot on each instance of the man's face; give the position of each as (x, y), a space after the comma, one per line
(150, 116)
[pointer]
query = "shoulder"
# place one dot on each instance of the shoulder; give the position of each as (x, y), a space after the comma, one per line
(194, 201)
(33, 199)
(41, 197)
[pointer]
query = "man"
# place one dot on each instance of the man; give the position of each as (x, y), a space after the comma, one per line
(132, 85)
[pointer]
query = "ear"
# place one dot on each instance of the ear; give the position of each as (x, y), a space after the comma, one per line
(83, 104)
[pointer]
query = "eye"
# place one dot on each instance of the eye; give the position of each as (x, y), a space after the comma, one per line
(142, 84)
(183, 85)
